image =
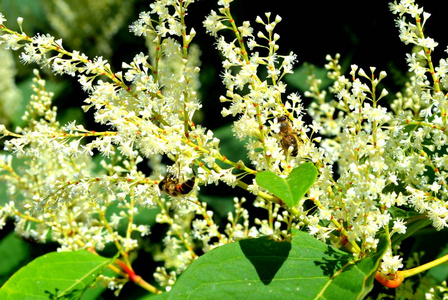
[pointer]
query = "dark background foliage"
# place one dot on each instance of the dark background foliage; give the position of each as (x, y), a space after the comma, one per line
(363, 32)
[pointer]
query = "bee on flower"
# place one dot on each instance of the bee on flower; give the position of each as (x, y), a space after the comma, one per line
(289, 136)
(174, 187)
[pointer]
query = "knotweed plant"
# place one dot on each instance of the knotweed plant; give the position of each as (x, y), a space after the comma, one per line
(338, 194)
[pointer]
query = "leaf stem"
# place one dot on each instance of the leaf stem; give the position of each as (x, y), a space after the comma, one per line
(425, 267)
(137, 279)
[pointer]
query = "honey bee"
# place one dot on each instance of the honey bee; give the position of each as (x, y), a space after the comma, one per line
(289, 136)
(174, 188)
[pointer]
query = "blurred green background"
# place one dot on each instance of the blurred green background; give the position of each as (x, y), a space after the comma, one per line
(363, 32)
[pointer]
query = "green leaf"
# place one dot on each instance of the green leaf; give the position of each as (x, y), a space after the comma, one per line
(221, 205)
(71, 114)
(413, 226)
(299, 78)
(399, 213)
(95, 291)
(303, 269)
(292, 188)
(14, 253)
(57, 274)
(231, 147)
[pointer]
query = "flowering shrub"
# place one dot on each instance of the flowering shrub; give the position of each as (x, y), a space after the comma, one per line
(339, 194)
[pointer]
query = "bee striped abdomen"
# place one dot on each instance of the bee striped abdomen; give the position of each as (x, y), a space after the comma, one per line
(172, 187)
(291, 140)
(186, 187)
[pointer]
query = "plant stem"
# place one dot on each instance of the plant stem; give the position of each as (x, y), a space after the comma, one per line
(425, 267)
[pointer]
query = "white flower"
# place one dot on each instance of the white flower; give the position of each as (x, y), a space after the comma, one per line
(390, 264)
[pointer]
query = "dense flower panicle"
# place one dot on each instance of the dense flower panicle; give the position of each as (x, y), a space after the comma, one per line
(149, 109)
(388, 160)
(262, 104)
(10, 98)
(377, 149)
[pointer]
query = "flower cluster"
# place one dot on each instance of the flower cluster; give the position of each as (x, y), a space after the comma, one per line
(10, 97)
(389, 161)
(257, 101)
(74, 179)
(77, 186)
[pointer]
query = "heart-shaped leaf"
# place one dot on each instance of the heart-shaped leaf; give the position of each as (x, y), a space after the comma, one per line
(292, 188)
(304, 268)
(55, 275)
